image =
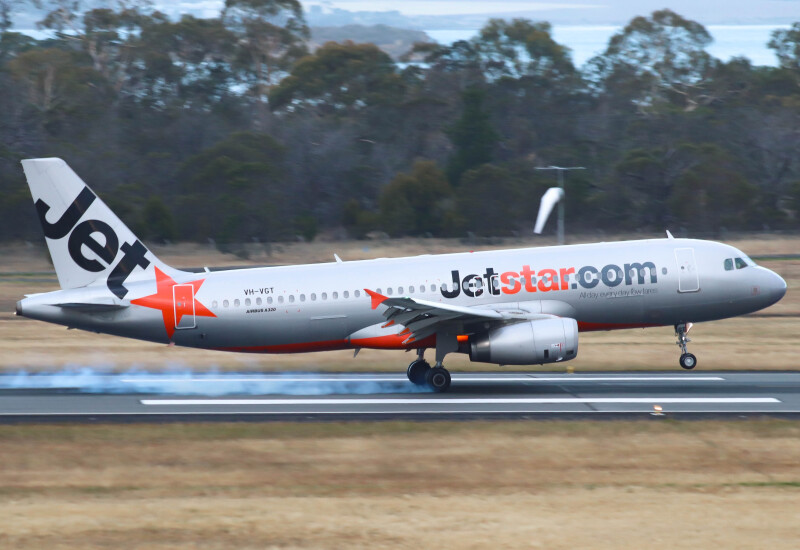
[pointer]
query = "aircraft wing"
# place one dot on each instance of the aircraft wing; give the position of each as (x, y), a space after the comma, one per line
(422, 318)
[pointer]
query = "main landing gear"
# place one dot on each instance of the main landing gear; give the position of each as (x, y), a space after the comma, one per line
(420, 373)
(687, 360)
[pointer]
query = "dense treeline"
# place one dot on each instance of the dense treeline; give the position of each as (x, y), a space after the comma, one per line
(230, 129)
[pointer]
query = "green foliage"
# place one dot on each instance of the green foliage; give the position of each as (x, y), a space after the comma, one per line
(417, 203)
(786, 43)
(270, 36)
(60, 85)
(306, 226)
(496, 200)
(340, 78)
(651, 56)
(169, 121)
(794, 201)
(712, 193)
(521, 48)
(357, 220)
(157, 220)
(232, 191)
(472, 135)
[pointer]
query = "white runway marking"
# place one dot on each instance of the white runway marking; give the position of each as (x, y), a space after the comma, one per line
(459, 379)
(461, 401)
(410, 411)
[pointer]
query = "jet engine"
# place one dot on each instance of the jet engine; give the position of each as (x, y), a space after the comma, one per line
(527, 343)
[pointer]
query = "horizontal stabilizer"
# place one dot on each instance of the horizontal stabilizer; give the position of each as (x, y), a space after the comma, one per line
(88, 306)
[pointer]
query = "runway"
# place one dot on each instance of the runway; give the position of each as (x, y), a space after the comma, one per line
(220, 396)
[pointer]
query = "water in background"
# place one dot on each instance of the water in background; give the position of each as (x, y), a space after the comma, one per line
(749, 41)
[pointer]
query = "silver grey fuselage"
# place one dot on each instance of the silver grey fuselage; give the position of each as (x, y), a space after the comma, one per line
(315, 307)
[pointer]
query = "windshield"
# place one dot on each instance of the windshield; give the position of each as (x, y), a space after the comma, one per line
(740, 262)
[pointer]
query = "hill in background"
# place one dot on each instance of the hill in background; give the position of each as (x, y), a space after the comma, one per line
(392, 40)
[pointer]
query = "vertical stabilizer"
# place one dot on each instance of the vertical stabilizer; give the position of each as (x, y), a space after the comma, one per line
(88, 243)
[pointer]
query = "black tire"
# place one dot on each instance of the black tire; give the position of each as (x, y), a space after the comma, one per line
(417, 370)
(688, 361)
(438, 379)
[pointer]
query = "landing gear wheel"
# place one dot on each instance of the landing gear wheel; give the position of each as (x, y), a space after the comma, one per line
(688, 361)
(417, 370)
(438, 379)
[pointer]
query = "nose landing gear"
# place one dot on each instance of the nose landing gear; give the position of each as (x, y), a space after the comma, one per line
(687, 360)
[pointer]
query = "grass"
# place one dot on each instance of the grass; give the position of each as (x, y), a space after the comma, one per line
(401, 485)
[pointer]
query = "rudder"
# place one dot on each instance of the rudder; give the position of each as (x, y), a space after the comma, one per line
(88, 243)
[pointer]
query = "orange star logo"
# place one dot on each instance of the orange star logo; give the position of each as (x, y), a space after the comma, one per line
(165, 300)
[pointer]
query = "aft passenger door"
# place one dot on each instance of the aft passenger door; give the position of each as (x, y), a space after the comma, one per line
(183, 302)
(688, 277)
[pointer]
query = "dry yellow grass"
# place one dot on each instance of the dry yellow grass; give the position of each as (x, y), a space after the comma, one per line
(399, 485)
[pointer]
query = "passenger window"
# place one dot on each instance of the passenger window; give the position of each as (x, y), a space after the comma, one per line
(313, 297)
(269, 300)
(400, 291)
(214, 304)
(728, 264)
(335, 295)
(357, 293)
(236, 302)
(346, 294)
(740, 263)
(324, 295)
(433, 288)
(258, 301)
(280, 299)
(225, 303)
(247, 302)
(389, 291)
(411, 289)
(291, 298)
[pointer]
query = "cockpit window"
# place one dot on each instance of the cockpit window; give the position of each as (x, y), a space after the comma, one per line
(729, 264)
(740, 263)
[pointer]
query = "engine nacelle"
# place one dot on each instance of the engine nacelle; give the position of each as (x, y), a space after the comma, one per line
(527, 343)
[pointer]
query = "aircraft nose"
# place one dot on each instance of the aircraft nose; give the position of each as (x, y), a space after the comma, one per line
(775, 287)
(779, 290)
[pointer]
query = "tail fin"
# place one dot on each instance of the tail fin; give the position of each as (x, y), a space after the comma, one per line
(88, 243)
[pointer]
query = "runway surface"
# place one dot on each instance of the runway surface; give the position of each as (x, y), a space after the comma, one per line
(185, 397)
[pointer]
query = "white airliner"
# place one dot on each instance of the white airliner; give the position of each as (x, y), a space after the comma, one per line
(506, 307)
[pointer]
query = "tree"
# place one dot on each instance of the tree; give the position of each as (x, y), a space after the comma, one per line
(6, 9)
(472, 135)
(270, 36)
(794, 201)
(339, 78)
(494, 200)
(712, 193)
(652, 57)
(417, 203)
(522, 49)
(60, 87)
(786, 43)
(157, 220)
(187, 62)
(233, 191)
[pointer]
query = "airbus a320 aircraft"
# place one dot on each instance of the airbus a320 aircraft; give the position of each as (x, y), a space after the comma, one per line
(508, 307)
